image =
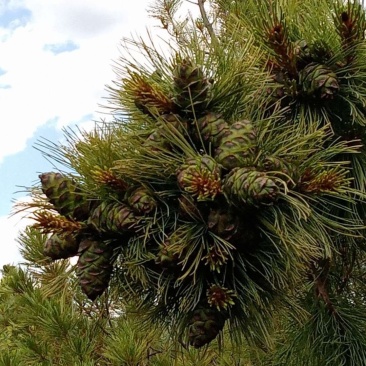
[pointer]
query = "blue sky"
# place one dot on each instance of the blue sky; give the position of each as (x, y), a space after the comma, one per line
(20, 170)
(12, 16)
(57, 48)
(56, 58)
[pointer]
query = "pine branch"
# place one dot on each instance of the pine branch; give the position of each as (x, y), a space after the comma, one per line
(320, 275)
(207, 23)
(165, 11)
(350, 22)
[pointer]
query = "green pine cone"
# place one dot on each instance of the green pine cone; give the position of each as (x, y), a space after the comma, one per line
(169, 124)
(212, 128)
(200, 176)
(237, 147)
(244, 185)
(281, 169)
(190, 86)
(141, 201)
(302, 52)
(224, 222)
(167, 257)
(94, 267)
(147, 95)
(112, 217)
(157, 141)
(65, 195)
(318, 81)
(204, 326)
(316, 52)
(61, 246)
(175, 120)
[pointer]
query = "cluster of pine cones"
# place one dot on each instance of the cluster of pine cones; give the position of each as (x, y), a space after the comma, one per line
(220, 189)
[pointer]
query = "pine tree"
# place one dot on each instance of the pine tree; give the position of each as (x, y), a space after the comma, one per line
(229, 190)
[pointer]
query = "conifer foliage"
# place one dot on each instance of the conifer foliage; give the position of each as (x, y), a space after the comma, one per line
(230, 187)
(45, 319)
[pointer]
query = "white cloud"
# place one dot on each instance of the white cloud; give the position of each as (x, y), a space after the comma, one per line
(69, 85)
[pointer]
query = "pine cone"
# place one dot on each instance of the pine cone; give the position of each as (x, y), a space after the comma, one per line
(107, 177)
(65, 195)
(141, 201)
(318, 81)
(167, 257)
(212, 128)
(249, 186)
(157, 141)
(112, 217)
(306, 54)
(204, 326)
(94, 267)
(237, 147)
(224, 222)
(302, 52)
(175, 120)
(200, 176)
(191, 86)
(169, 124)
(284, 170)
(148, 97)
(61, 246)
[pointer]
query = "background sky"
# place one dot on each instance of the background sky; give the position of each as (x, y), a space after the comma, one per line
(56, 57)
